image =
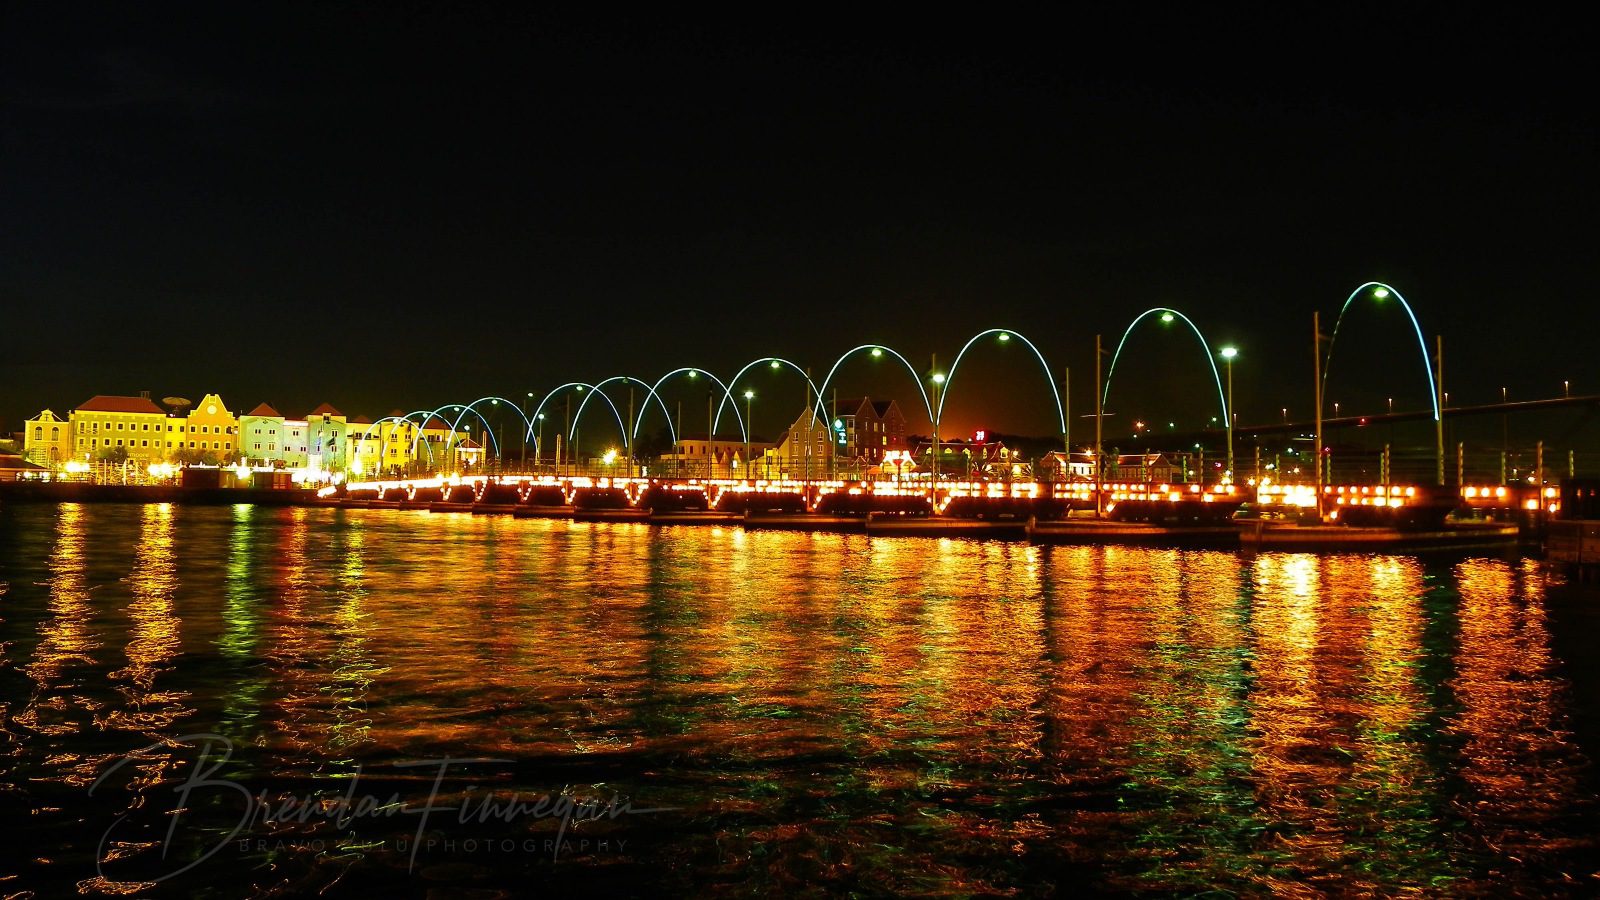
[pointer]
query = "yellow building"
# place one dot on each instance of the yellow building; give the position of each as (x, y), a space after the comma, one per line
(109, 427)
(47, 440)
(209, 433)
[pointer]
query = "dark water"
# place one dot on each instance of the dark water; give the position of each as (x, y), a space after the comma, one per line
(804, 713)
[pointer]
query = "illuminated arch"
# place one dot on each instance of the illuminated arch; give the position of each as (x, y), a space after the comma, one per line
(635, 424)
(514, 408)
(449, 406)
(950, 377)
(727, 397)
(916, 378)
(583, 385)
(1211, 360)
(692, 371)
(1422, 343)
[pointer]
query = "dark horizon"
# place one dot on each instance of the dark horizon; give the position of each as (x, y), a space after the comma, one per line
(405, 208)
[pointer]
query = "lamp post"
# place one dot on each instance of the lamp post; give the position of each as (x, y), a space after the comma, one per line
(525, 434)
(748, 396)
(538, 446)
(938, 382)
(1228, 353)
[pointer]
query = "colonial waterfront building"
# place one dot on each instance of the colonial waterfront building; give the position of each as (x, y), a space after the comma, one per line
(261, 436)
(210, 433)
(318, 441)
(47, 439)
(107, 426)
(327, 439)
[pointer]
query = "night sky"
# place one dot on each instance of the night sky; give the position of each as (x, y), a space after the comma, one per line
(406, 207)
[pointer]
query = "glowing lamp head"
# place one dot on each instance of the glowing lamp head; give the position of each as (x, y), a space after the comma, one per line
(693, 373)
(1381, 293)
(1166, 317)
(1230, 352)
(749, 395)
(776, 364)
(580, 388)
(541, 417)
(877, 351)
(938, 378)
(1004, 336)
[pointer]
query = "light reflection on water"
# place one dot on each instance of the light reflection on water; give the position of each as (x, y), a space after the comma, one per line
(873, 715)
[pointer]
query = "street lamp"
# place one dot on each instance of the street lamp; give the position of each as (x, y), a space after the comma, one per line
(938, 382)
(538, 446)
(524, 407)
(1228, 353)
(748, 396)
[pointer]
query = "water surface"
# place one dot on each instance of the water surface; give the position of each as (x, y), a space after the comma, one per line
(806, 712)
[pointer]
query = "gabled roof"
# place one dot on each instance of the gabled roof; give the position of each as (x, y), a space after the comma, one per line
(435, 423)
(882, 407)
(263, 409)
(326, 409)
(112, 404)
(361, 420)
(849, 407)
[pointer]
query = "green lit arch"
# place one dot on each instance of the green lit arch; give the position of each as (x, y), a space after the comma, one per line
(1222, 397)
(916, 379)
(1422, 342)
(950, 377)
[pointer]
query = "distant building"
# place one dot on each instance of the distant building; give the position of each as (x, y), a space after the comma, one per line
(209, 433)
(1148, 468)
(866, 429)
(261, 436)
(318, 441)
(364, 447)
(107, 426)
(327, 439)
(47, 440)
(806, 449)
(697, 457)
(1059, 466)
